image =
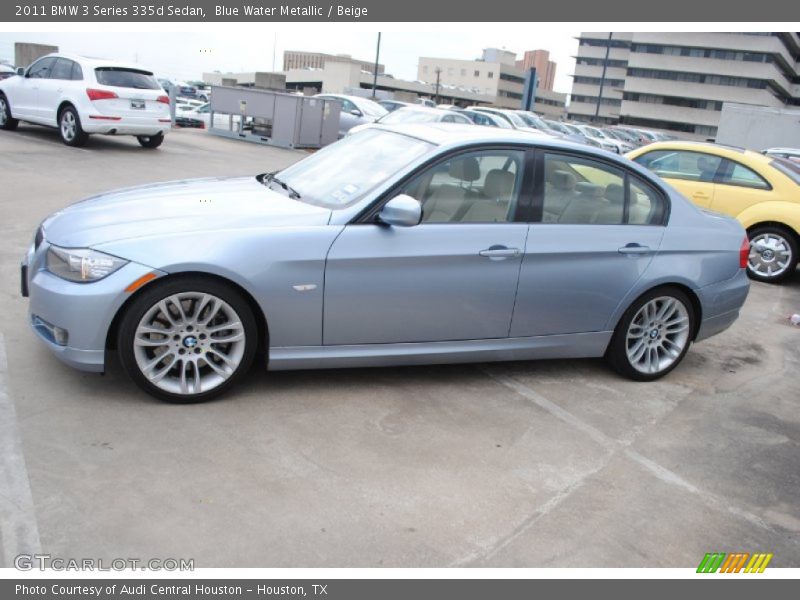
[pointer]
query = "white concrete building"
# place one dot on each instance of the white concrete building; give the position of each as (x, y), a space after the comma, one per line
(495, 75)
(677, 82)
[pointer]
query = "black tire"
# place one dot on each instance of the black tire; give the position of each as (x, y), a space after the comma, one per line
(788, 241)
(70, 129)
(617, 352)
(7, 122)
(147, 301)
(150, 141)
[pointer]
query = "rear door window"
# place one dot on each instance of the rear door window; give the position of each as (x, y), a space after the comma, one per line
(733, 173)
(126, 78)
(62, 69)
(582, 191)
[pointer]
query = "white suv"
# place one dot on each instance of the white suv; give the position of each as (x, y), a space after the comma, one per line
(80, 96)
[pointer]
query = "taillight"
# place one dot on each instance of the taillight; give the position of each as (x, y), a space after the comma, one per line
(100, 94)
(163, 99)
(744, 253)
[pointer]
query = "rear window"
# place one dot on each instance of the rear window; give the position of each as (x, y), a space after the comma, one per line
(788, 168)
(126, 78)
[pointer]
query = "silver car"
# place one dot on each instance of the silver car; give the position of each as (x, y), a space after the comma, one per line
(355, 111)
(402, 245)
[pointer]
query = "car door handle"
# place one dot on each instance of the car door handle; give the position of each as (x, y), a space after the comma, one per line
(700, 195)
(500, 252)
(634, 248)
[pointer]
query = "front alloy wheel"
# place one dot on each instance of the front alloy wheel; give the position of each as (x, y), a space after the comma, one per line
(653, 335)
(189, 343)
(773, 254)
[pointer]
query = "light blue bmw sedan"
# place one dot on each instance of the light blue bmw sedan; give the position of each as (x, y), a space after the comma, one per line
(412, 244)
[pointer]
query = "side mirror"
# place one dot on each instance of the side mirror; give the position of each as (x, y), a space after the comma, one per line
(356, 112)
(21, 71)
(401, 211)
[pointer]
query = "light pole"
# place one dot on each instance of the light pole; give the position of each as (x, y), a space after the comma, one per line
(603, 78)
(375, 74)
(438, 73)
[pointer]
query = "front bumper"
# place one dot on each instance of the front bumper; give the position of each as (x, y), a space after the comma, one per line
(84, 310)
(721, 304)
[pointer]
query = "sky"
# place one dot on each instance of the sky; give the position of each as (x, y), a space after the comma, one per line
(186, 55)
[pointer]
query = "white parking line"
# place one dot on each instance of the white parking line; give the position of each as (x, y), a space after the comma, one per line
(18, 528)
(612, 446)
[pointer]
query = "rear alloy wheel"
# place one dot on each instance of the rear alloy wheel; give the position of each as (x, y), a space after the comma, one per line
(7, 122)
(773, 254)
(69, 126)
(653, 335)
(188, 340)
(150, 141)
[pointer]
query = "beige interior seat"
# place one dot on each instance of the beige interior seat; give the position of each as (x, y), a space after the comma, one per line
(446, 200)
(585, 204)
(559, 192)
(495, 205)
(611, 213)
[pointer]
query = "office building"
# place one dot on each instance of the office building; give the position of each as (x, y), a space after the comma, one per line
(294, 59)
(545, 68)
(677, 82)
(496, 75)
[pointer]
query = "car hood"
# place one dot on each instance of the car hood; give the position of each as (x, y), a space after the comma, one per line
(177, 207)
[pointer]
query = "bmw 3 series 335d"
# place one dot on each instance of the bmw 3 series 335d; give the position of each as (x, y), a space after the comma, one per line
(404, 245)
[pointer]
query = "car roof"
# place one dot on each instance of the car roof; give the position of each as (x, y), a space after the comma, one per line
(92, 62)
(346, 96)
(733, 152)
(443, 134)
(783, 149)
(425, 109)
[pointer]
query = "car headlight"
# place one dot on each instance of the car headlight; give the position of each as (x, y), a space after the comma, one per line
(82, 265)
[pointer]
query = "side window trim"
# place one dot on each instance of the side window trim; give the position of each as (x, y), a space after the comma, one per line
(368, 215)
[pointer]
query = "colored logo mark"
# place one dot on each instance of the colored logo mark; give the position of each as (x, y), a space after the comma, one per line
(719, 562)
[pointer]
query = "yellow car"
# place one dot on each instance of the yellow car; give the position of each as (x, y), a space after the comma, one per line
(762, 192)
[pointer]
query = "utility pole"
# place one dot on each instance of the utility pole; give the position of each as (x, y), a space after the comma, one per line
(438, 74)
(274, 50)
(375, 74)
(603, 78)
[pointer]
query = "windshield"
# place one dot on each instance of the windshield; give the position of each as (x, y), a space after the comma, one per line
(593, 131)
(516, 119)
(126, 78)
(405, 115)
(532, 121)
(341, 174)
(370, 108)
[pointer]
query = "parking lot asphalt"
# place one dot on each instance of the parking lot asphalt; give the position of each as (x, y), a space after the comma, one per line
(549, 464)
